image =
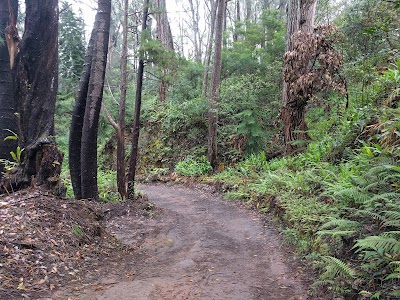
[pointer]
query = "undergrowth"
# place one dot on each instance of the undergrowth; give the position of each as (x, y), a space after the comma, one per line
(341, 211)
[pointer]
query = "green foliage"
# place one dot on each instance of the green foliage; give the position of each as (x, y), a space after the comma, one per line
(107, 184)
(194, 167)
(71, 48)
(16, 155)
(257, 45)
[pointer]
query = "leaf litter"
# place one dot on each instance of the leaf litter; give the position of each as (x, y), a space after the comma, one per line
(46, 242)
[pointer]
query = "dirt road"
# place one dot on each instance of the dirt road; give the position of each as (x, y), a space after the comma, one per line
(201, 247)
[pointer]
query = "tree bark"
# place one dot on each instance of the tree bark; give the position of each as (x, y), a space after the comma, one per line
(94, 100)
(136, 120)
(237, 20)
(75, 137)
(122, 104)
(164, 35)
(215, 80)
(301, 14)
(194, 8)
(209, 49)
(36, 90)
(7, 96)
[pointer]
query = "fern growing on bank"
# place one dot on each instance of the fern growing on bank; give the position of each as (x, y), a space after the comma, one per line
(372, 220)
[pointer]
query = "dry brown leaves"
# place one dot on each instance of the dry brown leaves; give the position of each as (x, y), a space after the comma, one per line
(47, 241)
(314, 65)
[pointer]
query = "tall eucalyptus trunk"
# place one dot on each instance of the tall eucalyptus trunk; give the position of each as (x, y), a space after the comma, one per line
(164, 35)
(215, 81)
(301, 15)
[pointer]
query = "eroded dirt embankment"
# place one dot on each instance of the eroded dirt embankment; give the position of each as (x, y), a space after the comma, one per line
(198, 246)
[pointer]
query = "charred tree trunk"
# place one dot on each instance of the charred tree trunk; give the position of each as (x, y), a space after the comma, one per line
(136, 120)
(78, 115)
(84, 126)
(36, 89)
(8, 16)
(215, 80)
(301, 14)
(93, 102)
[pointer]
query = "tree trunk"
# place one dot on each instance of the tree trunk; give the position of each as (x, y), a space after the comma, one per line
(7, 97)
(93, 102)
(122, 104)
(136, 120)
(209, 49)
(301, 14)
(248, 9)
(215, 80)
(75, 136)
(194, 8)
(164, 35)
(237, 10)
(37, 82)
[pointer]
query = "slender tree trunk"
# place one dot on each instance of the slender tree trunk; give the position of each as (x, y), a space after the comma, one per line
(122, 104)
(301, 14)
(136, 120)
(215, 80)
(164, 35)
(237, 9)
(248, 9)
(209, 49)
(194, 8)
(93, 103)
(7, 97)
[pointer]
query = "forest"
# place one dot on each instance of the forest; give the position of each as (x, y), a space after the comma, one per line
(289, 106)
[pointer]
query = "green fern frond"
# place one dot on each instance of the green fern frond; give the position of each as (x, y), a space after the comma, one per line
(354, 194)
(370, 214)
(392, 215)
(392, 219)
(391, 223)
(337, 268)
(340, 223)
(386, 197)
(379, 244)
(336, 233)
(392, 234)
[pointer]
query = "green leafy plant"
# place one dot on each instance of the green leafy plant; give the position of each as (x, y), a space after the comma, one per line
(15, 155)
(193, 167)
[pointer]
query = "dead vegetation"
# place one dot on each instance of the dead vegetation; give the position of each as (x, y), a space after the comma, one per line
(46, 242)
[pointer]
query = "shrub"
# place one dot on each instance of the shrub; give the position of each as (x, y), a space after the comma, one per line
(193, 167)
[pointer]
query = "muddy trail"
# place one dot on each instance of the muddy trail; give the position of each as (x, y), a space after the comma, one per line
(198, 246)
